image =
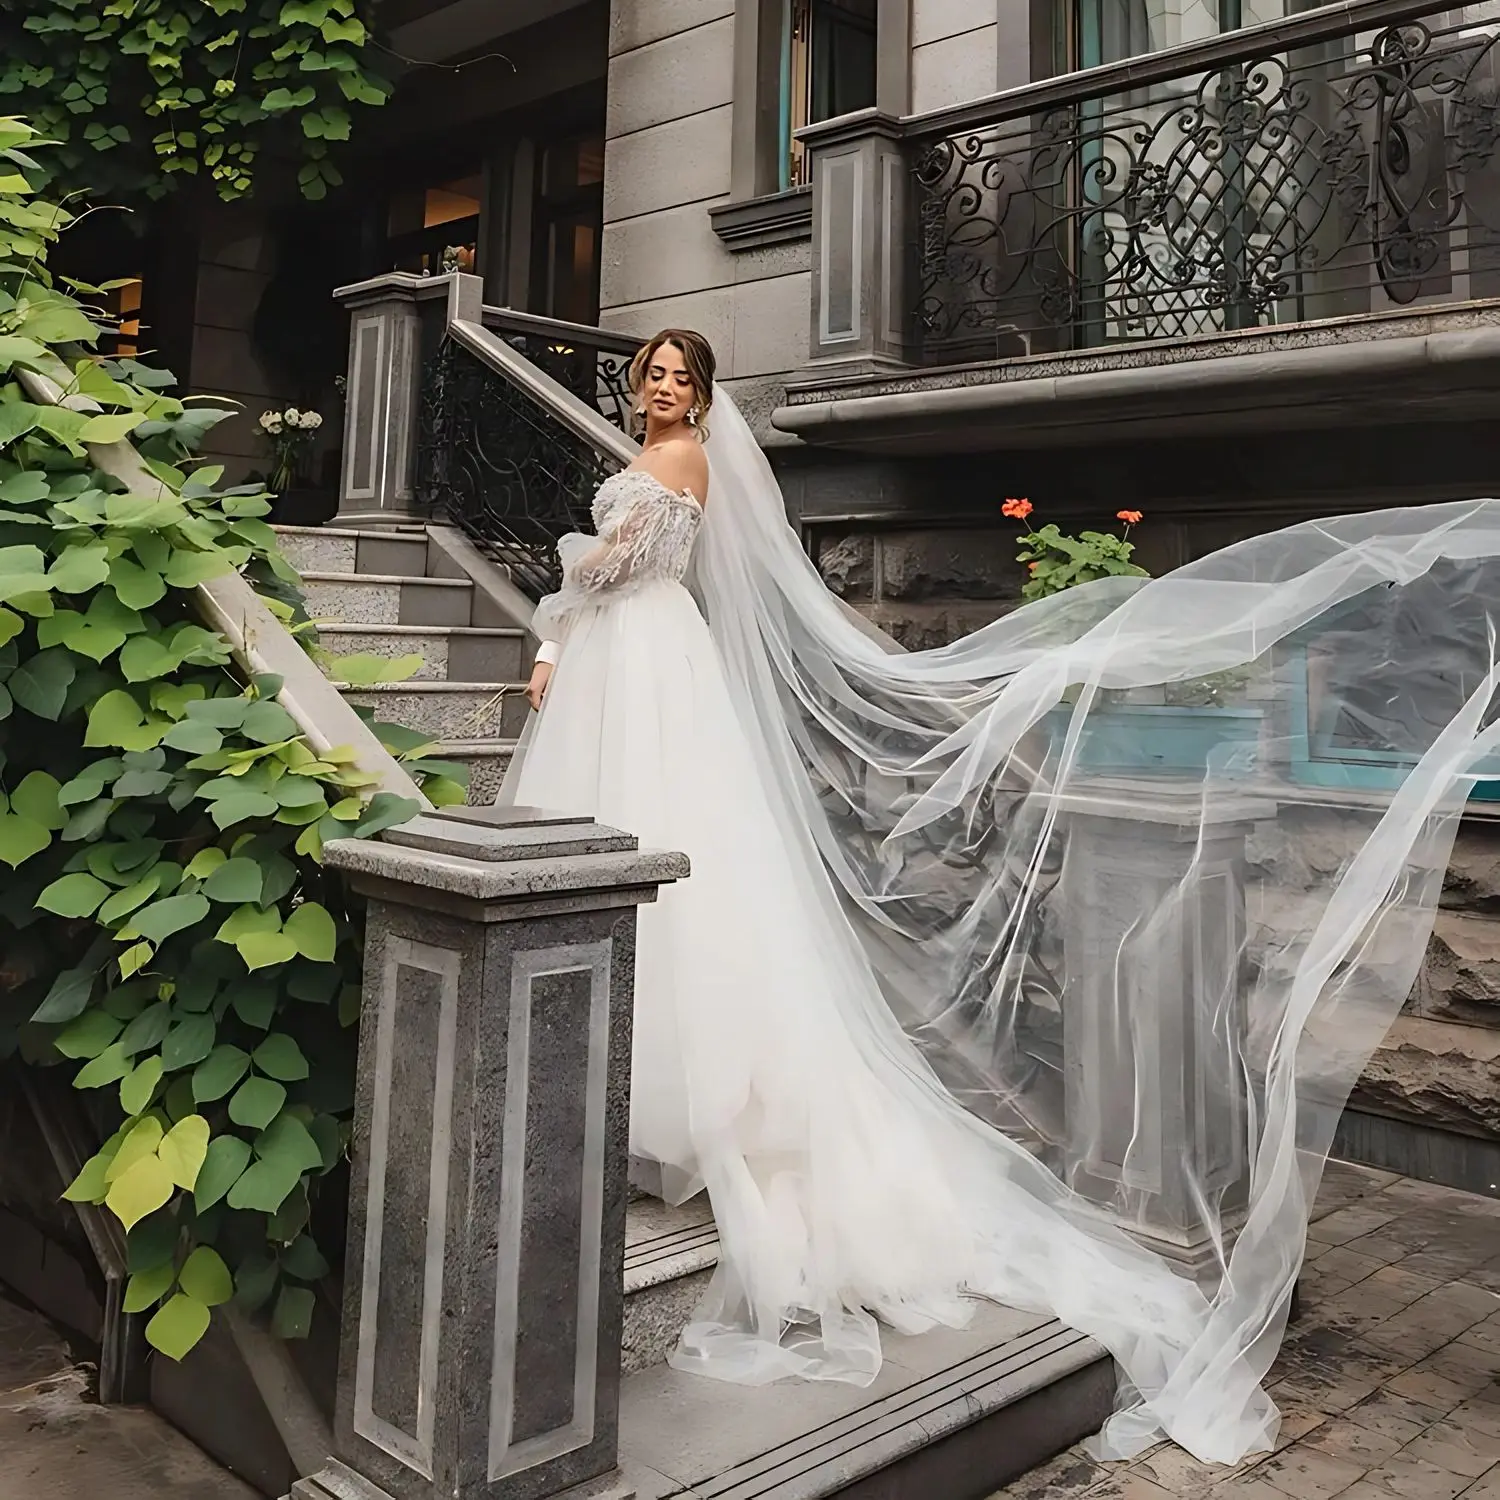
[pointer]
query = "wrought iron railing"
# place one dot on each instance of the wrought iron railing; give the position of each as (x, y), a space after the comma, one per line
(493, 456)
(591, 362)
(1313, 173)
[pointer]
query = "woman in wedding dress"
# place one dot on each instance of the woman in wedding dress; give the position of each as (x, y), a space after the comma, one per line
(873, 836)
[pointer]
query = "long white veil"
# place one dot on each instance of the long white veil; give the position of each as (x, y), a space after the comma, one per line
(1121, 893)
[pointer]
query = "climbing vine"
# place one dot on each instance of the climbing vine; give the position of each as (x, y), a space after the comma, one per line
(168, 934)
(141, 94)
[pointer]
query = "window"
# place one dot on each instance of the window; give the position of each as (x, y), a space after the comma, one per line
(827, 69)
(435, 228)
(1095, 32)
(567, 228)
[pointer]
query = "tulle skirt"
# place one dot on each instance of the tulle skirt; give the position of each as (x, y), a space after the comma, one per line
(845, 1189)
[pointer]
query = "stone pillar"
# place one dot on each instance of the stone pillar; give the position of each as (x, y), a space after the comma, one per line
(480, 1356)
(863, 237)
(383, 387)
(1153, 903)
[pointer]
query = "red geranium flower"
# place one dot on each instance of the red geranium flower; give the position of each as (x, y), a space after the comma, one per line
(1016, 510)
(1129, 517)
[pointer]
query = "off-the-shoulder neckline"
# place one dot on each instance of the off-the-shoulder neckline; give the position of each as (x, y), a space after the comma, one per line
(684, 494)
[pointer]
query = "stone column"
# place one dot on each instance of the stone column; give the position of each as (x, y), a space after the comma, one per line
(383, 387)
(1153, 903)
(480, 1357)
(863, 234)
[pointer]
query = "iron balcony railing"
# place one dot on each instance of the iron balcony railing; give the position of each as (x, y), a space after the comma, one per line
(1337, 164)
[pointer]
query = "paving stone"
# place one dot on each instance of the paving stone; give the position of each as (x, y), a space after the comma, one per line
(1308, 1474)
(1346, 1224)
(1394, 1416)
(1344, 1438)
(1486, 1487)
(1456, 1447)
(1403, 1478)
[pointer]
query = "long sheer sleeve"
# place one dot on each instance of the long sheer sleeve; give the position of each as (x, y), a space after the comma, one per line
(646, 535)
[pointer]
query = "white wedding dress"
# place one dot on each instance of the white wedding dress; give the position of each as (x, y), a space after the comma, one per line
(848, 1185)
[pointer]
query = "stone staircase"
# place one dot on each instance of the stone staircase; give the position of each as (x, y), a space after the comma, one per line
(954, 1414)
(397, 592)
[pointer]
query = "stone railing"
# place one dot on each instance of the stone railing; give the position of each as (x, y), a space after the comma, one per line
(1339, 163)
(480, 1356)
(500, 423)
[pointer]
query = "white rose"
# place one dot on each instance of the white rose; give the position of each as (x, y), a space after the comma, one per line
(273, 426)
(269, 420)
(293, 417)
(314, 420)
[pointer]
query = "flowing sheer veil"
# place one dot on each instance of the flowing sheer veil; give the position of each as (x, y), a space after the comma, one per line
(1121, 893)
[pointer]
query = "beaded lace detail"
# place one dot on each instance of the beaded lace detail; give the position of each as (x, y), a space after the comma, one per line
(645, 535)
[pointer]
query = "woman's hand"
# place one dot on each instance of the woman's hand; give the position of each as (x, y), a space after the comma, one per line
(536, 689)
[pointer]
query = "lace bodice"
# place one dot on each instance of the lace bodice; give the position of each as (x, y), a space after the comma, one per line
(645, 535)
(649, 531)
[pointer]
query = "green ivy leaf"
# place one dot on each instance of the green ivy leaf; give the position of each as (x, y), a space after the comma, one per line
(262, 949)
(89, 1035)
(41, 684)
(288, 1141)
(188, 1042)
(294, 1313)
(68, 996)
(227, 1158)
(90, 1185)
(205, 1276)
(312, 930)
(147, 1288)
(178, 1326)
(265, 1185)
(219, 1072)
(20, 838)
(76, 895)
(163, 918)
(36, 798)
(184, 1149)
(256, 1103)
(110, 1066)
(118, 720)
(139, 1085)
(140, 1190)
(135, 586)
(279, 1057)
(237, 880)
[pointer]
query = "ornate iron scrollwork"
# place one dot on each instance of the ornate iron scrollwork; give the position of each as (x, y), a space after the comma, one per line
(1326, 181)
(500, 466)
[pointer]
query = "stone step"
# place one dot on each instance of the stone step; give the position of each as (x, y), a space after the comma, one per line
(670, 1254)
(387, 599)
(487, 760)
(459, 653)
(952, 1416)
(449, 710)
(332, 549)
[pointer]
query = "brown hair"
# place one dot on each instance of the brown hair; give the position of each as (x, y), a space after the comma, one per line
(697, 354)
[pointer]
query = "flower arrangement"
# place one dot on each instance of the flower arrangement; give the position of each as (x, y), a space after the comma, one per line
(290, 434)
(1057, 561)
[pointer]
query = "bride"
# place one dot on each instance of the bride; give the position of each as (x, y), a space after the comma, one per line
(846, 1019)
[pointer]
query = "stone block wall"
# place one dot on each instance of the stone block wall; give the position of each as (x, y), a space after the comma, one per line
(924, 587)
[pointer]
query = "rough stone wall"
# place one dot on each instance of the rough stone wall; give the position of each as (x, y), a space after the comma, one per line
(925, 587)
(1440, 1065)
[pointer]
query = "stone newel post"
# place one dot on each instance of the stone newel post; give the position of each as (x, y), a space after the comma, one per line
(480, 1357)
(1154, 931)
(391, 323)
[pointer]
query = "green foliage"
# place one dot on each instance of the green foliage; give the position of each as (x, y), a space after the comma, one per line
(1056, 561)
(167, 932)
(142, 93)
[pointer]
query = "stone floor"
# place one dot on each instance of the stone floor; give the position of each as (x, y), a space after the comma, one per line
(1390, 1384)
(59, 1444)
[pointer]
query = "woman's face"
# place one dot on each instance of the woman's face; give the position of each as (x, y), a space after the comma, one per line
(667, 388)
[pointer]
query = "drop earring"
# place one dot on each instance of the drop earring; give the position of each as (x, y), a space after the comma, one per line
(692, 416)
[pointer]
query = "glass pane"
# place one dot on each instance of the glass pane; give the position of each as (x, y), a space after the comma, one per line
(843, 57)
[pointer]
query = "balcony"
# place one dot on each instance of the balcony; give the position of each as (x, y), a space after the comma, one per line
(1296, 225)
